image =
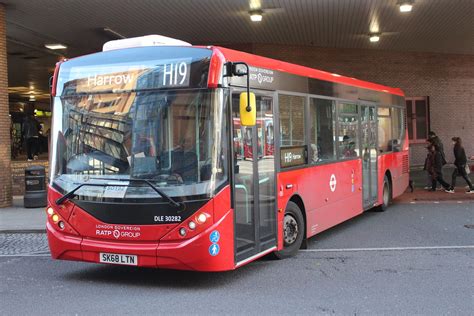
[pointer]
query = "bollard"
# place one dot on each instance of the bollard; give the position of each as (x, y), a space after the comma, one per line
(35, 187)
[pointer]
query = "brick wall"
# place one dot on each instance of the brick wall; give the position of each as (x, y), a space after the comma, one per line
(18, 174)
(448, 80)
(5, 161)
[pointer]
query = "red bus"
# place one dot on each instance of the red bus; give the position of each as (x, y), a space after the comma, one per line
(146, 167)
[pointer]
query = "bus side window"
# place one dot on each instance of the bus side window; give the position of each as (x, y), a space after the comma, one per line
(291, 120)
(398, 128)
(385, 129)
(323, 131)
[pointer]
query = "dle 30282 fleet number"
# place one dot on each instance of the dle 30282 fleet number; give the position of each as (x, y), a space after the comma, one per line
(167, 218)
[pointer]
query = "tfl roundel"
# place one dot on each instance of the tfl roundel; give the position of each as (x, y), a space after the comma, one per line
(332, 183)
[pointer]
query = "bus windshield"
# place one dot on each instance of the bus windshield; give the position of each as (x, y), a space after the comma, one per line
(173, 138)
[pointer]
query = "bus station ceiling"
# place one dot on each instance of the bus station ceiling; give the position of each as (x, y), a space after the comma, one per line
(438, 26)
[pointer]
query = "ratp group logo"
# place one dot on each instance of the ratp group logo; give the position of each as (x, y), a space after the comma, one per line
(116, 234)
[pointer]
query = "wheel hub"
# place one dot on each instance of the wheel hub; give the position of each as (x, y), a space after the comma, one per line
(385, 194)
(290, 229)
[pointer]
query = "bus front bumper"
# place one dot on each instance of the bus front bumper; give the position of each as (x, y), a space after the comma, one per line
(197, 253)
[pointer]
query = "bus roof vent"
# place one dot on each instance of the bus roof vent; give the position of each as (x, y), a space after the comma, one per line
(142, 41)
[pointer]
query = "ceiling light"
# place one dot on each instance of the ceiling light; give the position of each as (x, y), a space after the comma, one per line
(374, 38)
(406, 6)
(256, 16)
(55, 46)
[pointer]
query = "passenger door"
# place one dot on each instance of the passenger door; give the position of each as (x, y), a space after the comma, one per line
(369, 155)
(254, 180)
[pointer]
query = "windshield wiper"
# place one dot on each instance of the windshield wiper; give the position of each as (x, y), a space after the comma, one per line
(72, 193)
(151, 185)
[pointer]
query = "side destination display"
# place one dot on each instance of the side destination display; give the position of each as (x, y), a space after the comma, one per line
(292, 156)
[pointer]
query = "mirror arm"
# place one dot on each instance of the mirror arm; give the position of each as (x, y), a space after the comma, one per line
(232, 66)
(248, 108)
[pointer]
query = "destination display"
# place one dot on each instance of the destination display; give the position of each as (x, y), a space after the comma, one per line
(124, 71)
(292, 156)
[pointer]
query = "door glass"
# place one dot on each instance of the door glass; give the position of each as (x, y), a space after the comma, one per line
(254, 180)
(372, 130)
(369, 155)
(266, 172)
(243, 182)
(365, 124)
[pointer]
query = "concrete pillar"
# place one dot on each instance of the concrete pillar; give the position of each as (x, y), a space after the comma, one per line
(5, 122)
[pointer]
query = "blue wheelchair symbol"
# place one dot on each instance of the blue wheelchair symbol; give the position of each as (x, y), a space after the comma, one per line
(214, 250)
(215, 236)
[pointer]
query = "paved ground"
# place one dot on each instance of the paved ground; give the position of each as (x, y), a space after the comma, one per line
(412, 259)
(18, 218)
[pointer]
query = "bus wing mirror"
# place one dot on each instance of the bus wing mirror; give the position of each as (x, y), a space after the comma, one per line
(248, 113)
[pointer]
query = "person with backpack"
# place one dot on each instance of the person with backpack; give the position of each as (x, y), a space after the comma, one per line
(460, 162)
(436, 141)
(434, 164)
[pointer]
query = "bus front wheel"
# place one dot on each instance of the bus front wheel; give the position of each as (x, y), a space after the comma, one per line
(293, 231)
(386, 195)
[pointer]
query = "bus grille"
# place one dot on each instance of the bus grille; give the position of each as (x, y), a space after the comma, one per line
(405, 164)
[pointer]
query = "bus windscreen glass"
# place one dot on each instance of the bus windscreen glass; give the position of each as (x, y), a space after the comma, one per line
(143, 123)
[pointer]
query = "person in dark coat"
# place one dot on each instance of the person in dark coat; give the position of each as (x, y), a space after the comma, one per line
(434, 165)
(436, 141)
(460, 164)
(425, 167)
(30, 133)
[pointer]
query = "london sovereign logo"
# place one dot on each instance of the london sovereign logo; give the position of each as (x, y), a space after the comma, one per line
(117, 231)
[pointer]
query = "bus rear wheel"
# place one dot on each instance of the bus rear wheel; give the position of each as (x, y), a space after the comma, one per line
(386, 195)
(293, 231)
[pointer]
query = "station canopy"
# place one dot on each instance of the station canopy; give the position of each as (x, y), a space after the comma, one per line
(442, 26)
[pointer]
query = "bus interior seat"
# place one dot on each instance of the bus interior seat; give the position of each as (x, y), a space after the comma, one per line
(206, 172)
(185, 164)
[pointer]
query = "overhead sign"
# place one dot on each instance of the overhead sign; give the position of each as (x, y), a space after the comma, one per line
(135, 69)
(162, 74)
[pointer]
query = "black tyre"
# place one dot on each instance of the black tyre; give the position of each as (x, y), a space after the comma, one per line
(386, 195)
(293, 231)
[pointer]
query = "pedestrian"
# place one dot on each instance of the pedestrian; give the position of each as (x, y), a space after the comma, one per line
(429, 179)
(30, 134)
(434, 167)
(436, 141)
(460, 162)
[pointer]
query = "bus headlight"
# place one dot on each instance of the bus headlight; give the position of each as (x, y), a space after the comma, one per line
(50, 211)
(61, 224)
(55, 218)
(202, 218)
(192, 225)
(182, 231)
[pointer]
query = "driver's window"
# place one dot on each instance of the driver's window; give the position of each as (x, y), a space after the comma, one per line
(172, 136)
